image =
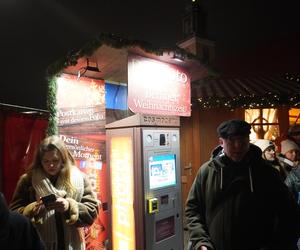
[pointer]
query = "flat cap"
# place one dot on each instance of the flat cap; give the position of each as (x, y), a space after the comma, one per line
(233, 127)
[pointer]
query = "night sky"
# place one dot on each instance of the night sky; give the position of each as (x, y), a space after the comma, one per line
(35, 33)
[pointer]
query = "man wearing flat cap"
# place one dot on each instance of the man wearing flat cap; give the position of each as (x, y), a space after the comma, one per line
(238, 201)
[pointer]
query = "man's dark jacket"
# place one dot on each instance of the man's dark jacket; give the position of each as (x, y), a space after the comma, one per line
(241, 206)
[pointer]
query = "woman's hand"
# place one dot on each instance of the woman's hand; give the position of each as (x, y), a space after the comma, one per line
(60, 205)
(39, 208)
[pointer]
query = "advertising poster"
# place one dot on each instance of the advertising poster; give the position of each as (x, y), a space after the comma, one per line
(159, 88)
(81, 125)
(122, 183)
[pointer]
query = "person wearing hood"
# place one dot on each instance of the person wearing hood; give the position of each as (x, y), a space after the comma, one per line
(268, 149)
(17, 232)
(238, 201)
(289, 155)
(290, 152)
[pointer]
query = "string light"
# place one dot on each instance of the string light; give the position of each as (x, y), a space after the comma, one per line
(254, 101)
(292, 77)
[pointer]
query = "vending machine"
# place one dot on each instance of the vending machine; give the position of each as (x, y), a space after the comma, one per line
(144, 166)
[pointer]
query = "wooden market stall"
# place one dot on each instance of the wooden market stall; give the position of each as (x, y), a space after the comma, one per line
(89, 89)
(269, 103)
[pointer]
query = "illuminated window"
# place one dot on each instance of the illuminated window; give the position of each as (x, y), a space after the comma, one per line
(264, 123)
(294, 116)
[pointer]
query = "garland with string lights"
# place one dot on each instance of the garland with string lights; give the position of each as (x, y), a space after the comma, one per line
(249, 101)
(112, 40)
(269, 99)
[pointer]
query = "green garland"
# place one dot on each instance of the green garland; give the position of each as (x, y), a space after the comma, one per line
(268, 100)
(52, 107)
(247, 101)
(115, 42)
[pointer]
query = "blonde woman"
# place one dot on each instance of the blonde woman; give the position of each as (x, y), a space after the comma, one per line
(56, 196)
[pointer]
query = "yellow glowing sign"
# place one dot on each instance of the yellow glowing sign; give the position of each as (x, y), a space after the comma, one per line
(121, 167)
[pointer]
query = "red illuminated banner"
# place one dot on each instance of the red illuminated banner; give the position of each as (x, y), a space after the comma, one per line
(81, 125)
(156, 87)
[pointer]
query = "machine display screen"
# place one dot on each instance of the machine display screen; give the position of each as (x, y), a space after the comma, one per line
(162, 171)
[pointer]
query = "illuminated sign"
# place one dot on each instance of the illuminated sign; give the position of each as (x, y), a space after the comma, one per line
(81, 104)
(121, 169)
(156, 87)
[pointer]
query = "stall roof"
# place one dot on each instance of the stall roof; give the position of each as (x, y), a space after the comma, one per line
(258, 91)
(109, 53)
(4, 107)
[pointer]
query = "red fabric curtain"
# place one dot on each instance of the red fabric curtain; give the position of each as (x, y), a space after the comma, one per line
(22, 134)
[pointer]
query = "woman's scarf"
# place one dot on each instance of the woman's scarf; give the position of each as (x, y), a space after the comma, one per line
(74, 238)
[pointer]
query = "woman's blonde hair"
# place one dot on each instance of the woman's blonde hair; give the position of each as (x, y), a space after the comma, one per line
(55, 143)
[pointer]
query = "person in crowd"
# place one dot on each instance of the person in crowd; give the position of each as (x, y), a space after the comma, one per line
(16, 231)
(289, 155)
(56, 196)
(238, 201)
(294, 134)
(293, 182)
(268, 149)
(290, 152)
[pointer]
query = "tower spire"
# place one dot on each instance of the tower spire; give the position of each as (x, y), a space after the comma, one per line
(194, 20)
(195, 37)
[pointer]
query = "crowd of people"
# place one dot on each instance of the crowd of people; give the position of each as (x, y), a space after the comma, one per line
(246, 197)
(286, 160)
